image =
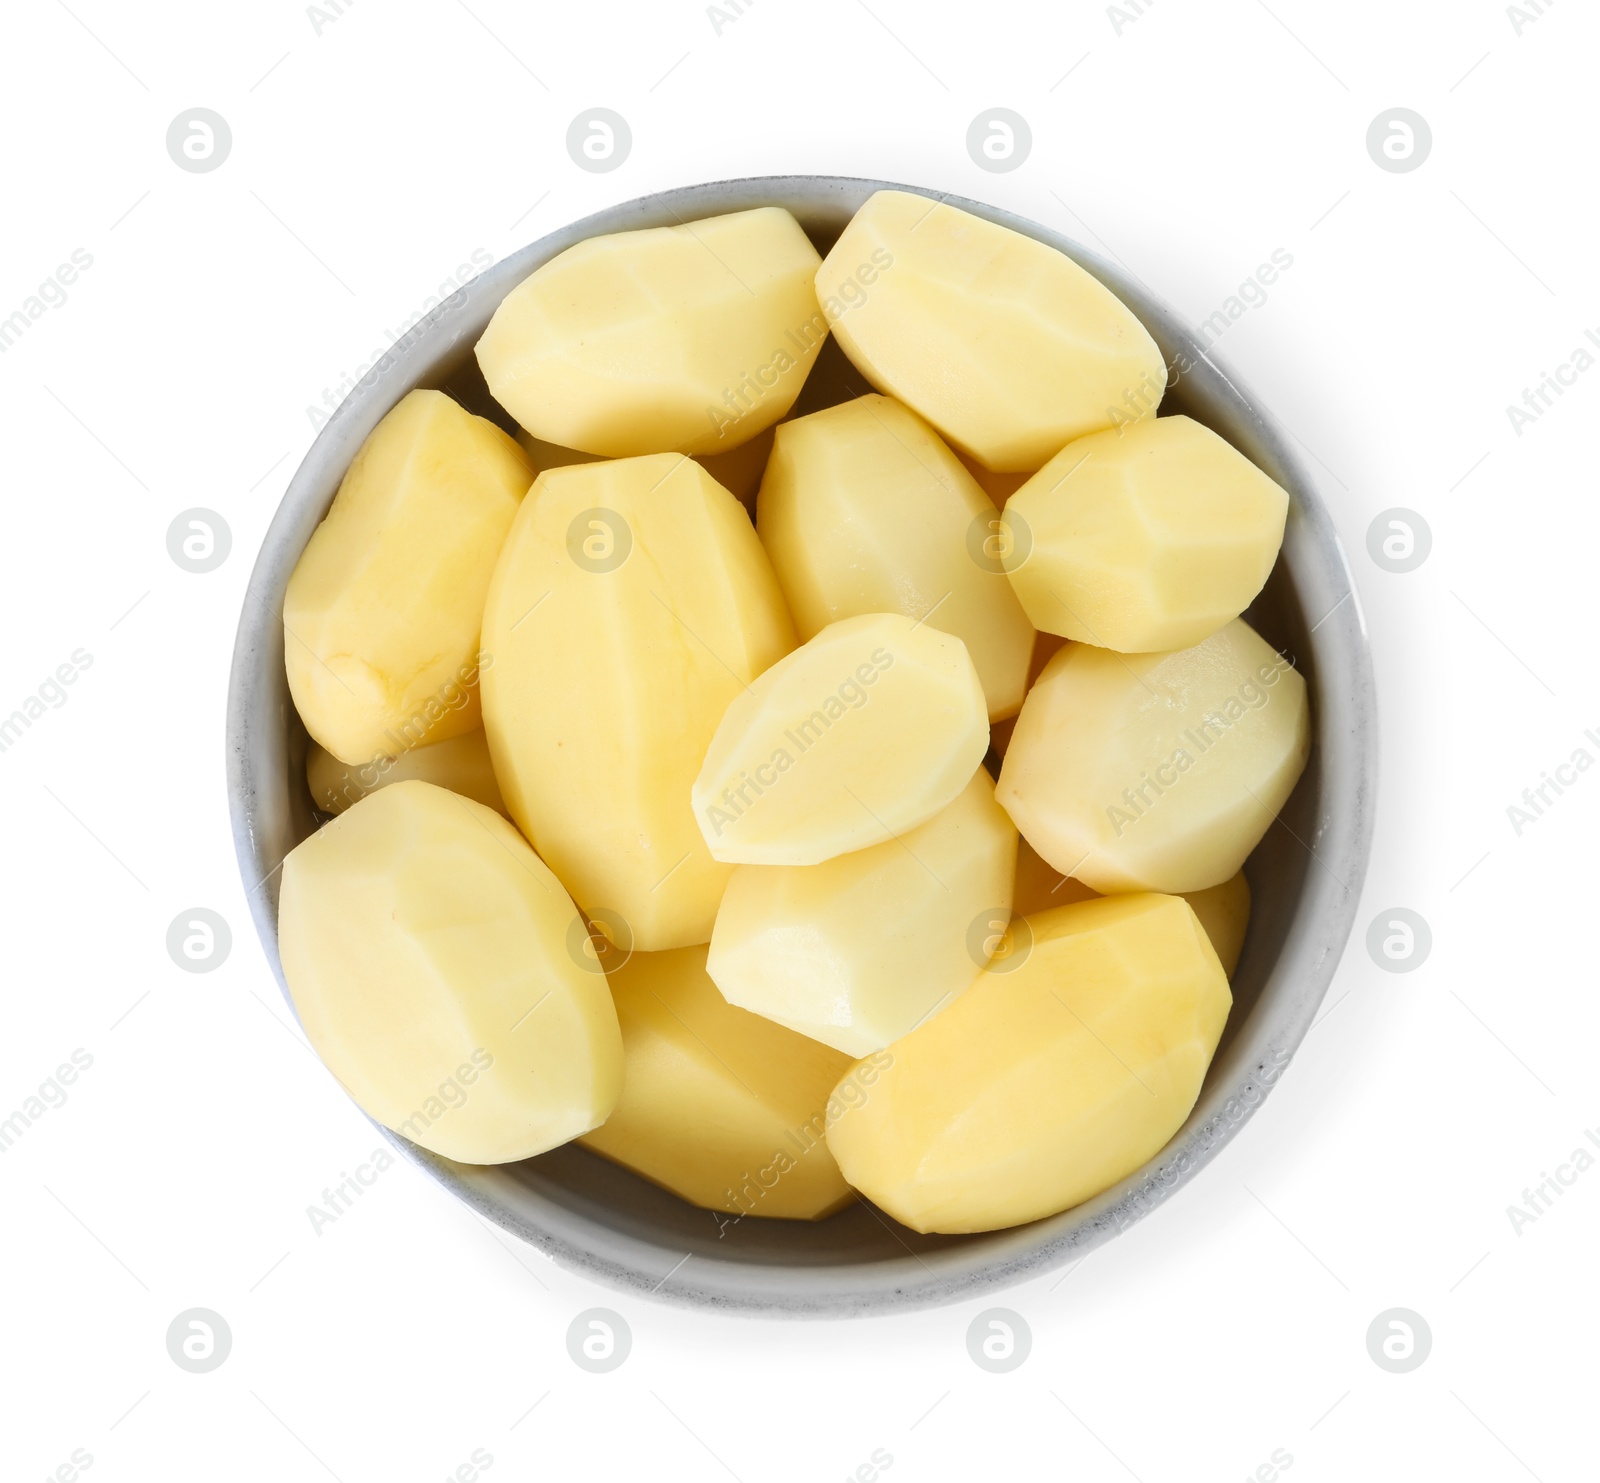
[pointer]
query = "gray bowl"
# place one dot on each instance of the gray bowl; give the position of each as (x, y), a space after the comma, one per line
(598, 1219)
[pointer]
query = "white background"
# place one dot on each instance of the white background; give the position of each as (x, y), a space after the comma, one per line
(368, 162)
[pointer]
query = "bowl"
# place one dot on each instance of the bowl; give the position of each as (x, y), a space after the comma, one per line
(596, 1218)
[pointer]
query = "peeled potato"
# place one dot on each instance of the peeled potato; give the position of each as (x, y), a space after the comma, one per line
(862, 733)
(1143, 538)
(1005, 345)
(1156, 772)
(723, 1108)
(861, 949)
(433, 961)
(631, 603)
(382, 612)
(1049, 1081)
(460, 764)
(691, 338)
(864, 510)
(1224, 911)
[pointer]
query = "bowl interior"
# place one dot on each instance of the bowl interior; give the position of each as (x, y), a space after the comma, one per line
(1305, 876)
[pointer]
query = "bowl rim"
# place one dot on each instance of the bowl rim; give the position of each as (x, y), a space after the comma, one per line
(257, 724)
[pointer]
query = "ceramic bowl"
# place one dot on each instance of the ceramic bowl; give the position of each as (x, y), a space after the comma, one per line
(598, 1219)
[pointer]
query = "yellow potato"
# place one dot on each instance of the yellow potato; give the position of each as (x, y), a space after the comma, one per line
(738, 470)
(382, 612)
(864, 732)
(460, 764)
(864, 510)
(723, 1108)
(1224, 911)
(861, 949)
(690, 338)
(1156, 772)
(632, 602)
(434, 963)
(1143, 538)
(1048, 1080)
(1005, 345)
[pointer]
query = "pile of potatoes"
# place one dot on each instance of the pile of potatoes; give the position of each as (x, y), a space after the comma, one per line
(692, 833)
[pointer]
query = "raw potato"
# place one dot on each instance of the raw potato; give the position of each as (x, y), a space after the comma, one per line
(723, 1108)
(861, 949)
(738, 470)
(382, 611)
(460, 764)
(430, 954)
(1005, 345)
(864, 732)
(1156, 772)
(632, 602)
(1047, 1083)
(691, 338)
(1224, 911)
(1143, 538)
(864, 510)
